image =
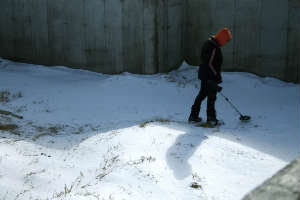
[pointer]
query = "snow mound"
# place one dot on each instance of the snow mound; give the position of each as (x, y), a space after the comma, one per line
(87, 135)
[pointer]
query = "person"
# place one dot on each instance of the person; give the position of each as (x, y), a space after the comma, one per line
(210, 75)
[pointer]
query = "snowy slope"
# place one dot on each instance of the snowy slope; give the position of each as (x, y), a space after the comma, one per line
(87, 135)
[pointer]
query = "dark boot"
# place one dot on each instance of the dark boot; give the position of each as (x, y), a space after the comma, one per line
(212, 121)
(194, 119)
(194, 116)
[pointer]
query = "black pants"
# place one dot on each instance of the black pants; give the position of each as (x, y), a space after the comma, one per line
(211, 94)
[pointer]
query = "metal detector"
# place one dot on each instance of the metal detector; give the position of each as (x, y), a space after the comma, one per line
(243, 118)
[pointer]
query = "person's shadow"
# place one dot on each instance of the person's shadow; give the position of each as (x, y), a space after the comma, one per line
(180, 152)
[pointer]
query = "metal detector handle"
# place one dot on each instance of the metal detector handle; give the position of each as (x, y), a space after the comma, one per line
(230, 103)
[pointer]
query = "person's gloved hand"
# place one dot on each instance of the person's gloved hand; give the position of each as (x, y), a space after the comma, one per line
(214, 86)
(219, 78)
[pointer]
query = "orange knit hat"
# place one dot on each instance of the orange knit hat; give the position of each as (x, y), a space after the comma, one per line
(223, 36)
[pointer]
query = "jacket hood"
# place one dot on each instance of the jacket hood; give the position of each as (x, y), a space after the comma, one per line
(223, 36)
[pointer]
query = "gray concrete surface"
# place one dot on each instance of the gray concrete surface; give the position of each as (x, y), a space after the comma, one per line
(265, 35)
(109, 36)
(150, 36)
(284, 185)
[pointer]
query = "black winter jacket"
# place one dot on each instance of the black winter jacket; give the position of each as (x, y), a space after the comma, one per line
(205, 72)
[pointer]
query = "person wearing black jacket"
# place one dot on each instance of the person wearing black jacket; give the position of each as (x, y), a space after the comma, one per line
(210, 75)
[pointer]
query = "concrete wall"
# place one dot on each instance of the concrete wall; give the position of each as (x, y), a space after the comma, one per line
(284, 185)
(149, 36)
(109, 36)
(265, 34)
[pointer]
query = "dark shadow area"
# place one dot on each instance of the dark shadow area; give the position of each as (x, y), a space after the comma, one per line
(65, 137)
(182, 150)
(136, 111)
(60, 136)
(247, 134)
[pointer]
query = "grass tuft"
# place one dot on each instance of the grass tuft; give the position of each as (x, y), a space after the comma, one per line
(195, 185)
(4, 96)
(161, 120)
(8, 127)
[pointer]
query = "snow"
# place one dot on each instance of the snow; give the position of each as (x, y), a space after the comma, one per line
(87, 135)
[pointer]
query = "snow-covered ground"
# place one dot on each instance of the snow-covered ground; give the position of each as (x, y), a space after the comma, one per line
(92, 136)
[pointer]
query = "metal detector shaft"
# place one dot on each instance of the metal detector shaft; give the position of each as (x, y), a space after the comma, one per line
(231, 103)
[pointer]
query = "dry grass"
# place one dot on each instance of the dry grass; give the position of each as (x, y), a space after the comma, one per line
(205, 125)
(4, 96)
(195, 185)
(144, 124)
(11, 128)
(8, 127)
(47, 131)
(36, 137)
(143, 159)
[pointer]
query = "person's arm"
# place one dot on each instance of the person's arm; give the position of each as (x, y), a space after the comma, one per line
(211, 60)
(214, 86)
